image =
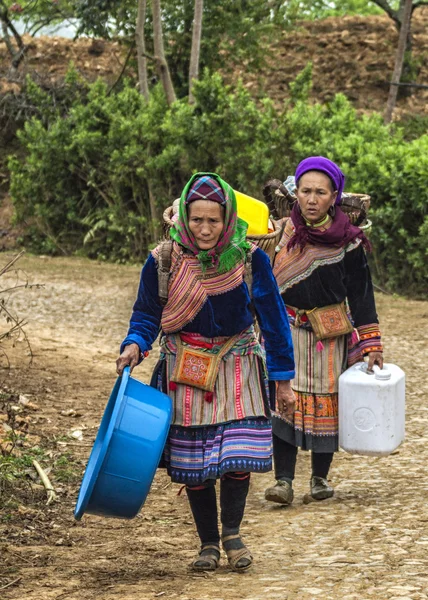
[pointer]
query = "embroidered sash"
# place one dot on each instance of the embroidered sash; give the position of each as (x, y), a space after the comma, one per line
(239, 389)
(293, 266)
(189, 288)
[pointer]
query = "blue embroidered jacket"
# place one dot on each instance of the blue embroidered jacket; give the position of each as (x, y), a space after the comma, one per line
(223, 315)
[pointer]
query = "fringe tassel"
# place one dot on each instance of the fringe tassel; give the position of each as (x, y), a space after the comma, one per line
(209, 396)
(172, 386)
(320, 346)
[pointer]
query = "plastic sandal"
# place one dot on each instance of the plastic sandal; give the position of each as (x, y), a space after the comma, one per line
(207, 559)
(239, 559)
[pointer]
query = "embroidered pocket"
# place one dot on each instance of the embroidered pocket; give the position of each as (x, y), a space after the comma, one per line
(330, 321)
(197, 368)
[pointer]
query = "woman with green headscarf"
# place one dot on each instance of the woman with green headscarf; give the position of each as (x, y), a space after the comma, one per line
(211, 363)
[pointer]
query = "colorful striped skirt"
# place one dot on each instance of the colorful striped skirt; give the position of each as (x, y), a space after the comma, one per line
(194, 454)
(314, 425)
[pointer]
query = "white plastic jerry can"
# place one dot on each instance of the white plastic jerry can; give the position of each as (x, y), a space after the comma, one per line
(371, 409)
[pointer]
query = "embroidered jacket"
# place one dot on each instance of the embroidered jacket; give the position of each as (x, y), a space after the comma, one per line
(224, 312)
(319, 276)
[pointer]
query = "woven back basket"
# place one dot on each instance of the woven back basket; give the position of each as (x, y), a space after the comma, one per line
(280, 202)
(267, 242)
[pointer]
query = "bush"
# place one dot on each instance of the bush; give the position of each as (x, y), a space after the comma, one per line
(97, 180)
(85, 178)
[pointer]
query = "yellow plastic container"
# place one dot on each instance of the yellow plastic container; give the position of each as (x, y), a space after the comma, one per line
(254, 212)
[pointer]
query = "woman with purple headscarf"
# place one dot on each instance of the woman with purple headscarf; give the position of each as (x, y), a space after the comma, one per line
(324, 280)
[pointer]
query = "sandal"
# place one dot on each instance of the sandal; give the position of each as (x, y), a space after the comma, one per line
(240, 559)
(207, 558)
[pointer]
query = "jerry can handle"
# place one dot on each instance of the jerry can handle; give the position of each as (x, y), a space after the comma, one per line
(381, 374)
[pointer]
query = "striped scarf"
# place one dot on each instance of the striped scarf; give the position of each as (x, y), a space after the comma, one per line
(189, 287)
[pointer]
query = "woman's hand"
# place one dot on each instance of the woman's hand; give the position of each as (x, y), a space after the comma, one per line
(375, 358)
(130, 356)
(286, 400)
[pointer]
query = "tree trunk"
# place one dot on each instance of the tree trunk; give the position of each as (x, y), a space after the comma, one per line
(16, 55)
(153, 213)
(161, 64)
(402, 40)
(196, 47)
(408, 70)
(141, 49)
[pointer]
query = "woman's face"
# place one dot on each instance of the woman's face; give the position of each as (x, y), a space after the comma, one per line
(206, 221)
(315, 195)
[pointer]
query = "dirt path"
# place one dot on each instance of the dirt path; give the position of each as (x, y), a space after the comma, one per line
(369, 541)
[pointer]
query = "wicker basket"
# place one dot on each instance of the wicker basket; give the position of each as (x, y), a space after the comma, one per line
(167, 221)
(280, 202)
(356, 206)
(267, 242)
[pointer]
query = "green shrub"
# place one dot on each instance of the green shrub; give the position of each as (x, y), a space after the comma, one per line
(85, 175)
(97, 180)
(414, 126)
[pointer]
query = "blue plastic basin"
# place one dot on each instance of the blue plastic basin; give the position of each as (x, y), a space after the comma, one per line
(126, 451)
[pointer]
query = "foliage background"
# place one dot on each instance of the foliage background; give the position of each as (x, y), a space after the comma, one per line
(97, 165)
(85, 182)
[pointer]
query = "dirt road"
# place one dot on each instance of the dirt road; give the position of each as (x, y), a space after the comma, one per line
(369, 541)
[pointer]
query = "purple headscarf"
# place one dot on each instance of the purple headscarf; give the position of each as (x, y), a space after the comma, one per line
(326, 166)
(341, 232)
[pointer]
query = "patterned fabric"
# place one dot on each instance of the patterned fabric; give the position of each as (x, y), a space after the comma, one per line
(368, 339)
(232, 245)
(317, 371)
(293, 266)
(206, 188)
(189, 287)
(330, 321)
(239, 390)
(197, 362)
(314, 425)
(193, 455)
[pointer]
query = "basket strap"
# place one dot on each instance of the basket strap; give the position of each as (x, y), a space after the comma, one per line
(248, 273)
(164, 267)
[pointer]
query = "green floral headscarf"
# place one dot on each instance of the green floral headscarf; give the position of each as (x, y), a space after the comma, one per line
(232, 246)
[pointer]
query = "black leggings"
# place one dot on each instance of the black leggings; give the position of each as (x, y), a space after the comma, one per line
(203, 502)
(285, 456)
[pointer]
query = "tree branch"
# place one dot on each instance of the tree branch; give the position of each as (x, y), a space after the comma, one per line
(141, 48)
(393, 14)
(7, 39)
(399, 59)
(8, 266)
(159, 50)
(5, 17)
(125, 64)
(7, 24)
(196, 46)
(417, 3)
